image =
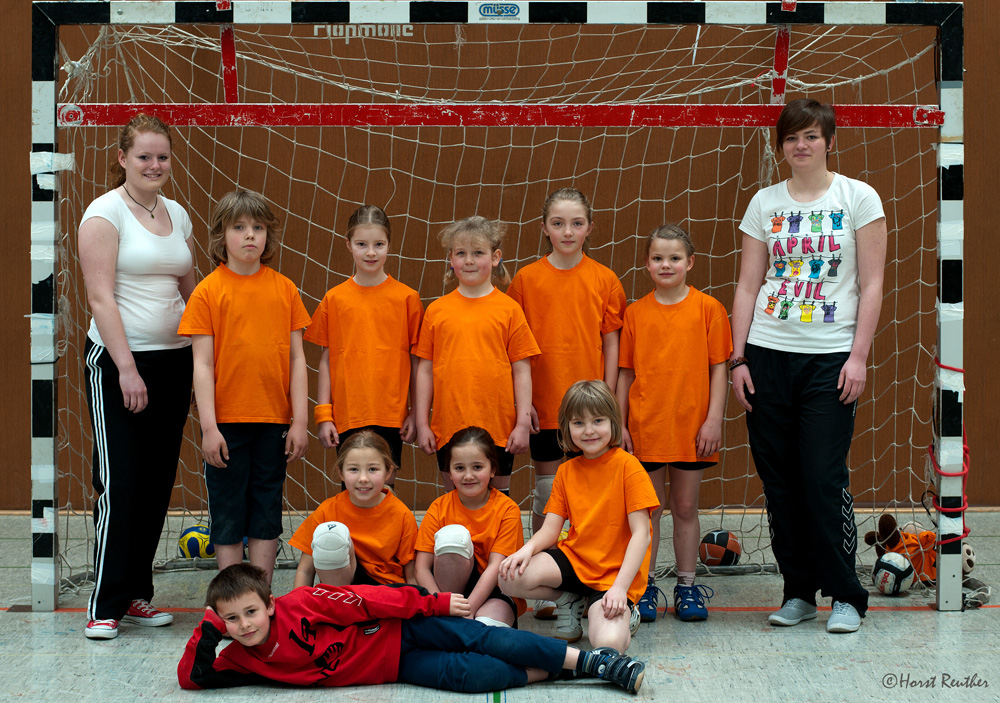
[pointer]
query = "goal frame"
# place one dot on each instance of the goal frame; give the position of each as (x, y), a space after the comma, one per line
(948, 449)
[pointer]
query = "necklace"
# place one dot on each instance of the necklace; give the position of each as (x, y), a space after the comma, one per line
(147, 209)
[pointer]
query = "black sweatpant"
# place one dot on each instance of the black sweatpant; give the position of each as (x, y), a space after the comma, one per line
(135, 466)
(800, 433)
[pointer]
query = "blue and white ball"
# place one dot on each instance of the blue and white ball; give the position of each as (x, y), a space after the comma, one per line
(893, 574)
(194, 543)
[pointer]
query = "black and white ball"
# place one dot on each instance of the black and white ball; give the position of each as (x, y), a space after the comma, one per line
(893, 574)
(968, 558)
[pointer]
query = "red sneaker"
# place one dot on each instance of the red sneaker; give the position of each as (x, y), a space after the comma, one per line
(142, 613)
(101, 629)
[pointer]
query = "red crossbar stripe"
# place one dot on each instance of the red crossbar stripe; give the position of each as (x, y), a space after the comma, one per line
(484, 115)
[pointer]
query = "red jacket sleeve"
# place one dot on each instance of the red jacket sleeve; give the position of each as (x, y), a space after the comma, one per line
(353, 604)
(199, 667)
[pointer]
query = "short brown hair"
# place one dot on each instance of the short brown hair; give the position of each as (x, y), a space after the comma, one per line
(126, 138)
(366, 439)
(236, 581)
(588, 398)
(369, 215)
(476, 436)
(671, 232)
(478, 228)
(804, 113)
(233, 206)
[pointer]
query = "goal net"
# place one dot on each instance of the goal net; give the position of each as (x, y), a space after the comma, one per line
(488, 118)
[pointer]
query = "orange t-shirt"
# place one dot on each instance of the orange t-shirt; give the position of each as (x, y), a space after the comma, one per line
(596, 496)
(569, 312)
(383, 536)
(369, 331)
(251, 319)
(472, 343)
(495, 527)
(671, 348)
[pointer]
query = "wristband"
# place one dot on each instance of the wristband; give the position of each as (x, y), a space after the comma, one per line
(323, 413)
(738, 361)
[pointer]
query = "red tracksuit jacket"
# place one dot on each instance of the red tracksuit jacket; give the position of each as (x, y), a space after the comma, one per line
(320, 636)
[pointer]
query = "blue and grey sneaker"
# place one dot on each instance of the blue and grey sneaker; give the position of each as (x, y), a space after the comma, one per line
(689, 602)
(649, 602)
(608, 664)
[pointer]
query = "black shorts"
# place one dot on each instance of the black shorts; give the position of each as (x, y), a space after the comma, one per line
(245, 498)
(545, 446)
(505, 458)
(362, 577)
(682, 465)
(571, 582)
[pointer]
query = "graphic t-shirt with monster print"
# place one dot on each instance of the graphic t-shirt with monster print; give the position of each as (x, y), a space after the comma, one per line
(833, 288)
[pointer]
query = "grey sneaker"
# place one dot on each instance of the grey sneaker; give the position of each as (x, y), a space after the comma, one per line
(569, 616)
(844, 618)
(794, 611)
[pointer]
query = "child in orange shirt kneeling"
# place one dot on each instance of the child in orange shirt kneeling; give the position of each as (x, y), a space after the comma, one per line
(364, 534)
(607, 497)
(468, 531)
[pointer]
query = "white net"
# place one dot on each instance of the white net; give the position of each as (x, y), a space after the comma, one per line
(426, 177)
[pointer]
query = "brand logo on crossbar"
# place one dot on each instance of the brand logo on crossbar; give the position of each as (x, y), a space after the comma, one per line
(499, 10)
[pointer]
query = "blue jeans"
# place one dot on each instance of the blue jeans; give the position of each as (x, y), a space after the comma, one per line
(455, 654)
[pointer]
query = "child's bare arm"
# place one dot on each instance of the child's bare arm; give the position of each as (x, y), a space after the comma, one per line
(423, 562)
(515, 564)
(709, 438)
(305, 574)
(326, 431)
(408, 432)
(487, 582)
(298, 392)
(517, 442)
(410, 572)
(626, 377)
(616, 598)
(422, 407)
(213, 445)
(609, 346)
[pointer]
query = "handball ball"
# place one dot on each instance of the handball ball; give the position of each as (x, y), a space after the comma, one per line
(720, 548)
(193, 543)
(893, 574)
(968, 558)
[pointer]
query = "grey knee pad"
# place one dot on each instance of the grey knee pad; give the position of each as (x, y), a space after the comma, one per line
(331, 545)
(453, 539)
(543, 489)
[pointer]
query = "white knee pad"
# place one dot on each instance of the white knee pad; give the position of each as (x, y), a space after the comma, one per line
(331, 545)
(490, 622)
(543, 489)
(453, 539)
